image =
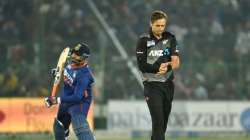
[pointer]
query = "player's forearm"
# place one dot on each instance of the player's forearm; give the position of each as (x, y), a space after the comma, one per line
(175, 62)
(149, 68)
(144, 66)
(175, 65)
(71, 99)
(141, 55)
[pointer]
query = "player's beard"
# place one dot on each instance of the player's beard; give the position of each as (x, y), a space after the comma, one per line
(78, 62)
(75, 61)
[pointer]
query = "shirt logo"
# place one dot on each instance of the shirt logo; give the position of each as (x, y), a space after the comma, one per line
(159, 52)
(150, 43)
(166, 52)
(165, 41)
(139, 52)
(156, 53)
(67, 78)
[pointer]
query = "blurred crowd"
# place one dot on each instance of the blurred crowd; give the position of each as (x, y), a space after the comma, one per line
(213, 36)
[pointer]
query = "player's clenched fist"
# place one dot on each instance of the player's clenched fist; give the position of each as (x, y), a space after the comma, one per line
(49, 101)
(164, 68)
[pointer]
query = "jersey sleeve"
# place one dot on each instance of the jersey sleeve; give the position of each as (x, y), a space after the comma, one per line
(141, 55)
(174, 48)
(81, 86)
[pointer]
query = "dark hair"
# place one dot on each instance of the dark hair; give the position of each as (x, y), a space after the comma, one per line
(156, 15)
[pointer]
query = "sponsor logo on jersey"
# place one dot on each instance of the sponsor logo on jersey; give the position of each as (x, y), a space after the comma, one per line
(150, 43)
(159, 52)
(67, 78)
(166, 51)
(139, 52)
(165, 41)
(156, 53)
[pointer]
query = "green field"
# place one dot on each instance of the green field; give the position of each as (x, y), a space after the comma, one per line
(50, 137)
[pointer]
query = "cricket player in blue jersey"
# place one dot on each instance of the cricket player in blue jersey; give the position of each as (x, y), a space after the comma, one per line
(75, 100)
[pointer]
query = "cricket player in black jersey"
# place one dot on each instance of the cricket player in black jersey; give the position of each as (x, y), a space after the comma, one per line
(157, 57)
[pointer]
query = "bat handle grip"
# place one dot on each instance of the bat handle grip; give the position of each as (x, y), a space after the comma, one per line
(54, 90)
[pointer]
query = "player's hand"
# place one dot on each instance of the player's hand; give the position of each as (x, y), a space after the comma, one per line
(163, 68)
(49, 101)
(53, 72)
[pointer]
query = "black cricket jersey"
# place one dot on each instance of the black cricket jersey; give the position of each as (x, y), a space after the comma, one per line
(151, 52)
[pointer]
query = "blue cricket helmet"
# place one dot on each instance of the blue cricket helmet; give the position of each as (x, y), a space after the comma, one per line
(81, 50)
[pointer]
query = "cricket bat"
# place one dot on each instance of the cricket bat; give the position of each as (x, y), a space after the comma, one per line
(59, 70)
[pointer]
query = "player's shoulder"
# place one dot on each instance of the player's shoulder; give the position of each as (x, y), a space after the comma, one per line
(144, 36)
(168, 34)
(89, 74)
(87, 71)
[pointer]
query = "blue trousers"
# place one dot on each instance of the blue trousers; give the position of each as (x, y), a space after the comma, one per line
(66, 115)
(81, 127)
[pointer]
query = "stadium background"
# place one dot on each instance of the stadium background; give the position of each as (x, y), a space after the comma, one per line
(214, 37)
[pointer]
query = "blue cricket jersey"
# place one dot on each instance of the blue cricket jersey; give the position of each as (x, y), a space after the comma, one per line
(77, 91)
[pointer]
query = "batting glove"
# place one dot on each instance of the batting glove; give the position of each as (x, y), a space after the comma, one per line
(49, 101)
(53, 72)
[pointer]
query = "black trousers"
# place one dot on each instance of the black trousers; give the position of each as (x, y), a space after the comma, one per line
(159, 97)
